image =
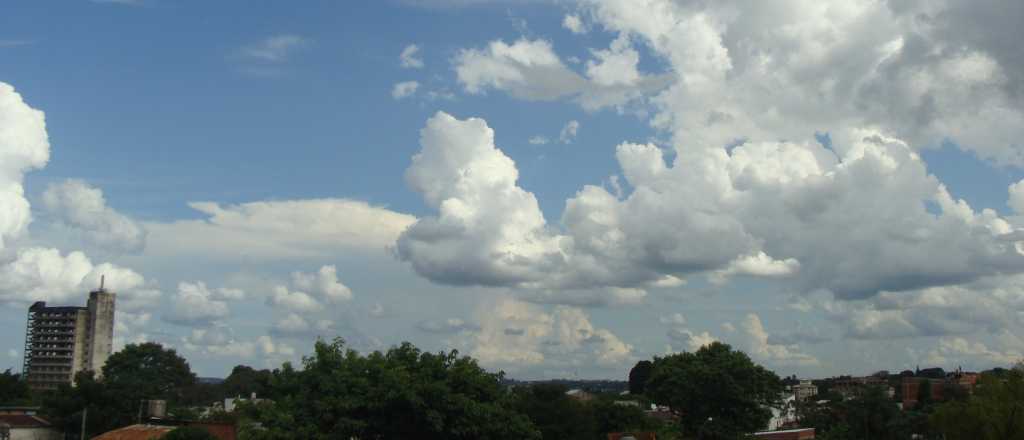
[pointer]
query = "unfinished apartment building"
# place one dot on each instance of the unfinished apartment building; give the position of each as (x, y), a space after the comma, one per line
(61, 341)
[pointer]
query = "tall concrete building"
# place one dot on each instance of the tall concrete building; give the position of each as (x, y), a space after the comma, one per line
(61, 341)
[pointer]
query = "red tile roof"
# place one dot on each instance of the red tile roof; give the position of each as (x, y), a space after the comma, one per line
(222, 431)
(24, 421)
(789, 434)
(136, 432)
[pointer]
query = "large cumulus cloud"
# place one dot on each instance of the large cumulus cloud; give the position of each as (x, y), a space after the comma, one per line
(923, 71)
(859, 217)
(488, 230)
(24, 146)
(83, 209)
(32, 273)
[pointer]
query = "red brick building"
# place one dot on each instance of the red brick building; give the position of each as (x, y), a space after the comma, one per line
(911, 387)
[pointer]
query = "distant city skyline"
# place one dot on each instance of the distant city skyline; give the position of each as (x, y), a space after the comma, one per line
(558, 188)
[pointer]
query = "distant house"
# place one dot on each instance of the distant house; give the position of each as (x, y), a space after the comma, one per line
(580, 395)
(231, 403)
(804, 390)
(28, 427)
(789, 434)
(662, 413)
(632, 436)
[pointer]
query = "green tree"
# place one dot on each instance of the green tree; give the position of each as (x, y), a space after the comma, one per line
(148, 371)
(871, 414)
(611, 417)
(403, 393)
(995, 411)
(555, 414)
(105, 410)
(245, 380)
(136, 373)
(189, 433)
(639, 375)
(13, 390)
(559, 416)
(717, 392)
(924, 393)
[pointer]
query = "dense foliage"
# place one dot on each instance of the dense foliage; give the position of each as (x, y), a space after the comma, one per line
(245, 381)
(639, 375)
(717, 392)
(869, 414)
(189, 433)
(13, 390)
(148, 371)
(138, 372)
(560, 416)
(403, 393)
(995, 411)
(714, 393)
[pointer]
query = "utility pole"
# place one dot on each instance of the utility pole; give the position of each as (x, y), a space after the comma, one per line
(85, 413)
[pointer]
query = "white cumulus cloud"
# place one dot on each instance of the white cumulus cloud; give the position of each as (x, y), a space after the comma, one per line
(24, 146)
(404, 89)
(574, 24)
(83, 208)
(516, 336)
(44, 274)
(530, 69)
(293, 300)
(569, 131)
(324, 283)
(409, 58)
(195, 304)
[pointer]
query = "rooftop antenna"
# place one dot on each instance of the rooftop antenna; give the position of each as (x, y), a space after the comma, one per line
(103, 279)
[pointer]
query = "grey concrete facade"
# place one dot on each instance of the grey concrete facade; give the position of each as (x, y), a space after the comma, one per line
(101, 329)
(62, 341)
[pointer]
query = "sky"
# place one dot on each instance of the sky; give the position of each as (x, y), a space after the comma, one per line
(558, 188)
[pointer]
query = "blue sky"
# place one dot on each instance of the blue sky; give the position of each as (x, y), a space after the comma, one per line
(287, 120)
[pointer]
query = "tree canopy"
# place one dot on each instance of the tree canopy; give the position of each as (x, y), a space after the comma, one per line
(639, 375)
(559, 416)
(189, 433)
(995, 411)
(149, 371)
(401, 393)
(136, 373)
(717, 392)
(13, 390)
(245, 380)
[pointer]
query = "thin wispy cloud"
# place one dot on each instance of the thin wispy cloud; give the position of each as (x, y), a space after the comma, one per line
(4, 43)
(538, 140)
(274, 49)
(120, 2)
